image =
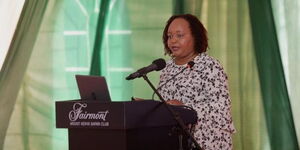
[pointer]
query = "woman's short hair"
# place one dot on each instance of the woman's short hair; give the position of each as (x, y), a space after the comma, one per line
(198, 31)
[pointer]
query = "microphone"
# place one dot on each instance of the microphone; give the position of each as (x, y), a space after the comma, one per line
(189, 65)
(156, 65)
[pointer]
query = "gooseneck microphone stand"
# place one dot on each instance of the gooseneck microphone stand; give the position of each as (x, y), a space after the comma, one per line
(174, 114)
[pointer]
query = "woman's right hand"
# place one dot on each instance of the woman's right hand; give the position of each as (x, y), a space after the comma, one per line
(174, 102)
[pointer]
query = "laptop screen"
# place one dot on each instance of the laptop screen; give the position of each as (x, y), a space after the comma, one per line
(92, 88)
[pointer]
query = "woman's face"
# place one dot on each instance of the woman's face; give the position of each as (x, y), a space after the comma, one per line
(180, 39)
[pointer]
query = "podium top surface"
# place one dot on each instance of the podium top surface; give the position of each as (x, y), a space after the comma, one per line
(118, 115)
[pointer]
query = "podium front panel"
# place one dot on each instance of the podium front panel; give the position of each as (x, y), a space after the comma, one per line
(141, 125)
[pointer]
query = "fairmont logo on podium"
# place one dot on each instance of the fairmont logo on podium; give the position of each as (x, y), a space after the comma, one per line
(79, 113)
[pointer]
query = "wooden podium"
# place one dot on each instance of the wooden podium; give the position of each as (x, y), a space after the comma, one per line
(138, 125)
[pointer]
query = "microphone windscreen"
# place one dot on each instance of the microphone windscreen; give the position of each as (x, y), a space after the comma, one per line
(160, 63)
(191, 64)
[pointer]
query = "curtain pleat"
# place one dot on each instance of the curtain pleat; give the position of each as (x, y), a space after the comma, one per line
(279, 118)
(17, 59)
(287, 20)
(96, 57)
(116, 51)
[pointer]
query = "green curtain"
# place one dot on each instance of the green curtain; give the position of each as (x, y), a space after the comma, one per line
(147, 20)
(230, 41)
(96, 60)
(277, 107)
(63, 48)
(178, 7)
(115, 53)
(17, 59)
(286, 16)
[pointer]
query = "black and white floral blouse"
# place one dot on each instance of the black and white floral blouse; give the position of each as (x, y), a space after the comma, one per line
(204, 88)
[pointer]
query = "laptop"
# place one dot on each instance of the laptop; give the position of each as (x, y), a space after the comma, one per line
(93, 88)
